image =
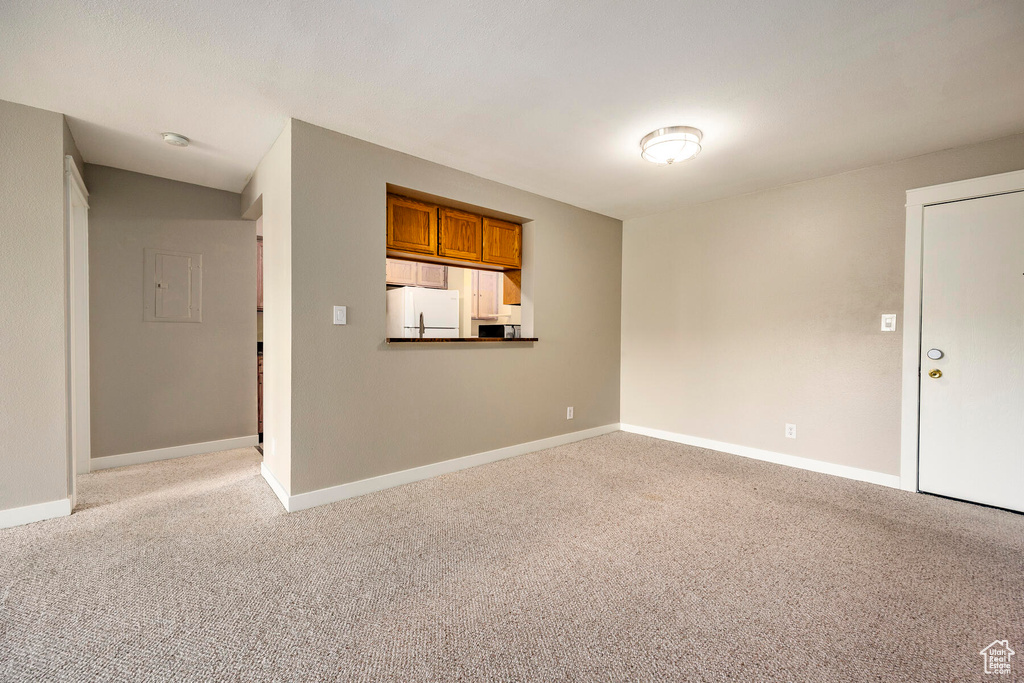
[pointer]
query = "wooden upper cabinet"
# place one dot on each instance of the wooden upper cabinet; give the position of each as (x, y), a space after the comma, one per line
(503, 243)
(412, 225)
(511, 292)
(460, 235)
(451, 235)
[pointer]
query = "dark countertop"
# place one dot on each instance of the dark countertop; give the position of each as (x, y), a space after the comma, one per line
(436, 340)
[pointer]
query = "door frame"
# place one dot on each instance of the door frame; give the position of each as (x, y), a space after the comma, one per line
(77, 316)
(917, 200)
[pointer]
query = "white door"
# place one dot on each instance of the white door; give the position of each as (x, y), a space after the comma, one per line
(972, 351)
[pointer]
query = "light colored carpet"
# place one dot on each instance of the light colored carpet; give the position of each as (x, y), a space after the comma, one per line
(621, 558)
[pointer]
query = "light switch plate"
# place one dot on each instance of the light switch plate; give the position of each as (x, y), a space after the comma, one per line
(888, 322)
(340, 315)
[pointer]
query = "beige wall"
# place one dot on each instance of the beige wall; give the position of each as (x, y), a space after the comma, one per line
(33, 397)
(743, 314)
(361, 407)
(269, 194)
(158, 384)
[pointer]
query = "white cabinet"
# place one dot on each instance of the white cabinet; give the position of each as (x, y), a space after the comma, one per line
(401, 272)
(411, 273)
(486, 294)
(432, 275)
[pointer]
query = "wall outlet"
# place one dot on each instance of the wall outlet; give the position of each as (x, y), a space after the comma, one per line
(340, 315)
(568, 413)
(888, 322)
(790, 431)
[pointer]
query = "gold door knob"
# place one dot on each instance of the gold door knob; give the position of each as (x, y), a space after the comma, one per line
(935, 374)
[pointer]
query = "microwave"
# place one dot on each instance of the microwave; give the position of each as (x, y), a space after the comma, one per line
(500, 331)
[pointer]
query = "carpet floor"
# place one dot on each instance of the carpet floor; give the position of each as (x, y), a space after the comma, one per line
(620, 558)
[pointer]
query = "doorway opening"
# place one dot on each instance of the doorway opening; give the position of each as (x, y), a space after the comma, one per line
(259, 331)
(76, 218)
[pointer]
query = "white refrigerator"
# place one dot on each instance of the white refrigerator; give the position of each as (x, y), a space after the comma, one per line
(414, 312)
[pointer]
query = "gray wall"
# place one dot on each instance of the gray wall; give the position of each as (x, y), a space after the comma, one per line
(361, 407)
(744, 314)
(158, 384)
(33, 396)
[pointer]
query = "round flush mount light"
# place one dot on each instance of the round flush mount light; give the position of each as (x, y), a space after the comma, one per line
(176, 139)
(672, 144)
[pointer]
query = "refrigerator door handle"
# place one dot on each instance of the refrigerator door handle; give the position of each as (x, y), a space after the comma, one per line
(422, 326)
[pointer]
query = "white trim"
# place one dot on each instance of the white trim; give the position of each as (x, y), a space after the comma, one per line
(917, 200)
(140, 457)
(71, 168)
(911, 367)
(35, 513)
(890, 480)
(76, 245)
(333, 494)
(279, 491)
(967, 189)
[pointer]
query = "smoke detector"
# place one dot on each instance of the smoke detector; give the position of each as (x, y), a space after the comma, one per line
(176, 139)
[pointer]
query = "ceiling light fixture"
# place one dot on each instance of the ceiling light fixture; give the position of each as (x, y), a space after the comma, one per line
(669, 145)
(176, 139)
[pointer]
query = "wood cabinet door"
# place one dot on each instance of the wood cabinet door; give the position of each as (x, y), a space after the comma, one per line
(432, 275)
(511, 291)
(259, 274)
(401, 272)
(503, 243)
(486, 294)
(412, 225)
(459, 235)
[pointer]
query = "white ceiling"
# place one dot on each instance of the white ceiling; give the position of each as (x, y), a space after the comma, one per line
(551, 97)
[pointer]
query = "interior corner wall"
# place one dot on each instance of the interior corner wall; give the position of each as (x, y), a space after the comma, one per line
(71, 148)
(162, 384)
(744, 314)
(269, 193)
(33, 390)
(363, 407)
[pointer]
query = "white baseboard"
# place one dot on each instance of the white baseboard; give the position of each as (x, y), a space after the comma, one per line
(279, 491)
(35, 513)
(890, 480)
(333, 494)
(139, 457)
